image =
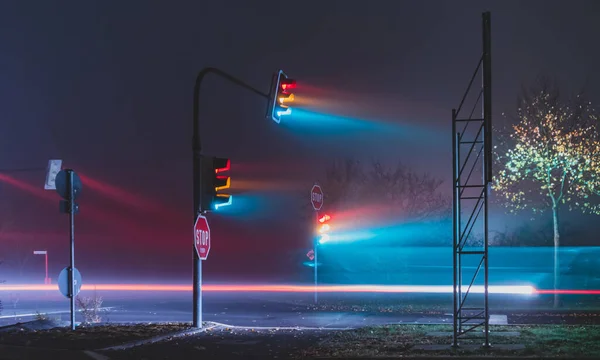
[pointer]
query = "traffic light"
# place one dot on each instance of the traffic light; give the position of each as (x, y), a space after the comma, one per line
(213, 181)
(282, 97)
(323, 228)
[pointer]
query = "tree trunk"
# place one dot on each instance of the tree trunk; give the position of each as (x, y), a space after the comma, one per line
(556, 259)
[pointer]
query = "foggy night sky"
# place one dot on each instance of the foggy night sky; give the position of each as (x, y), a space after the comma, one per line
(107, 87)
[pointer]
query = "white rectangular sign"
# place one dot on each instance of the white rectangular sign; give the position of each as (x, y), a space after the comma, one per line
(54, 167)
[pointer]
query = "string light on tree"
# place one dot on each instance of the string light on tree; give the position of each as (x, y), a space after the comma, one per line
(551, 159)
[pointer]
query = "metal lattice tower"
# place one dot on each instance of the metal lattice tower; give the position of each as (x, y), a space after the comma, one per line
(472, 175)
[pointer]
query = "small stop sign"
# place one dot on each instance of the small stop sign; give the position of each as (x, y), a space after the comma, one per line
(316, 197)
(202, 237)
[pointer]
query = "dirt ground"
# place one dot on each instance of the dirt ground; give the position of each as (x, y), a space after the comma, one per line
(222, 342)
(85, 337)
(227, 343)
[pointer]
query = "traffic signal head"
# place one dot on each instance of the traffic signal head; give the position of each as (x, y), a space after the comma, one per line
(282, 96)
(323, 228)
(221, 165)
(213, 181)
(325, 218)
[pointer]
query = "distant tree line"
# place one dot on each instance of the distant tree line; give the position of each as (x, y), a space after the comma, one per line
(410, 196)
(400, 191)
(397, 195)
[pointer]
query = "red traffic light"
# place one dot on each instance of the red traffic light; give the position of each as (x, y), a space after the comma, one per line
(222, 165)
(325, 227)
(282, 96)
(288, 84)
(212, 183)
(324, 218)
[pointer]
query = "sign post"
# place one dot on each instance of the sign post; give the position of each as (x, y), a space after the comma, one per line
(68, 186)
(316, 199)
(202, 247)
(45, 253)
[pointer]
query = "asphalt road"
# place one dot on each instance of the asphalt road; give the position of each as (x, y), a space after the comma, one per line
(253, 309)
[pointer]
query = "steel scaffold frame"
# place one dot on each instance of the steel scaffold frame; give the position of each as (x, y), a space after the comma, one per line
(470, 195)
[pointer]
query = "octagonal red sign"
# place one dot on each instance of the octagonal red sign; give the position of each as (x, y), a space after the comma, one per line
(202, 237)
(316, 197)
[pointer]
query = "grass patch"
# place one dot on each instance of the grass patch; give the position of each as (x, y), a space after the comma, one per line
(436, 304)
(340, 306)
(87, 337)
(404, 340)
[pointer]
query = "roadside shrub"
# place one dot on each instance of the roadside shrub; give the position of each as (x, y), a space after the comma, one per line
(91, 308)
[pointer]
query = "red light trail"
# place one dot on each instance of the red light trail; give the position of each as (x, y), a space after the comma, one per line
(439, 289)
(39, 191)
(50, 195)
(92, 211)
(120, 195)
(568, 292)
(419, 289)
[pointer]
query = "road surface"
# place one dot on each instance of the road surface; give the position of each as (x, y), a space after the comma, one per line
(285, 309)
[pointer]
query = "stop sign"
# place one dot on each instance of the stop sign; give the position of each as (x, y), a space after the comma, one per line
(316, 197)
(202, 237)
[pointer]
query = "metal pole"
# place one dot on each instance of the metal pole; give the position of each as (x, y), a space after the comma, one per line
(197, 194)
(487, 93)
(71, 193)
(454, 229)
(46, 281)
(197, 178)
(316, 246)
(197, 290)
(460, 233)
(487, 142)
(486, 309)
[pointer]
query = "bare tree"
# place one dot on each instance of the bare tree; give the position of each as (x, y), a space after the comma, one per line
(344, 183)
(402, 191)
(343, 180)
(524, 235)
(410, 194)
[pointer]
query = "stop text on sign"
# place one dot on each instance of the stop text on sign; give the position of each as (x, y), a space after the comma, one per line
(202, 239)
(317, 197)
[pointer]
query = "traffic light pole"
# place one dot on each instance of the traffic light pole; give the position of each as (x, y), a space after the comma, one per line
(197, 177)
(316, 246)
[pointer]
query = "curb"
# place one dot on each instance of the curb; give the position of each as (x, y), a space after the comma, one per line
(289, 328)
(95, 355)
(160, 338)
